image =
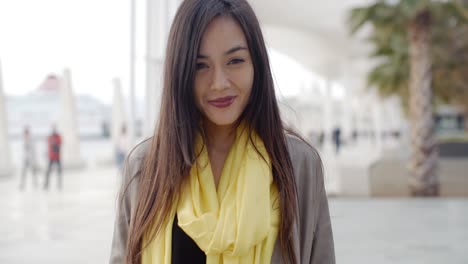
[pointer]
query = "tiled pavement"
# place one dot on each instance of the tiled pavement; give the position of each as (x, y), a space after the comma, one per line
(75, 225)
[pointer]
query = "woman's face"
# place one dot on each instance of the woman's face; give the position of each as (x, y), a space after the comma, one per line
(224, 73)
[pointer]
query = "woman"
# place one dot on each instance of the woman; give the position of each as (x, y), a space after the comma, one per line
(220, 181)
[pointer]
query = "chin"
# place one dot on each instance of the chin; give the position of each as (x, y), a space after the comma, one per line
(222, 121)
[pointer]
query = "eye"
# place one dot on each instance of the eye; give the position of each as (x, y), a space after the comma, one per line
(201, 65)
(236, 61)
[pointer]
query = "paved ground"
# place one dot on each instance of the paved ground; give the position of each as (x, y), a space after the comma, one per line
(75, 225)
(401, 231)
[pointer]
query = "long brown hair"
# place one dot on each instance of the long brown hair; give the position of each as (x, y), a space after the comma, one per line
(171, 154)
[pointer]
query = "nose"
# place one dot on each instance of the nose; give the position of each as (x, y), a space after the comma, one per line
(220, 80)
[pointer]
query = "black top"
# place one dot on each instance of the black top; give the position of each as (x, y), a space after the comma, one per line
(184, 249)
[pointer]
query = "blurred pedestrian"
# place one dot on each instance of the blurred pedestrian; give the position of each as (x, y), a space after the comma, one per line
(29, 158)
(354, 135)
(54, 143)
(337, 139)
(321, 138)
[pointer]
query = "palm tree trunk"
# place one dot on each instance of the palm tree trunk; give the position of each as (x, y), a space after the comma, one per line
(424, 153)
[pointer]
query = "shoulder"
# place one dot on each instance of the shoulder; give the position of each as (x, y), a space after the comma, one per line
(308, 174)
(312, 233)
(139, 152)
(131, 176)
(135, 158)
(301, 153)
(128, 199)
(131, 170)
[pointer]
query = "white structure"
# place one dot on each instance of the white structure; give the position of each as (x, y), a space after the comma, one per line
(6, 167)
(318, 38)
(39, 110)
(159, 16)
(68, 126)
(119, 117)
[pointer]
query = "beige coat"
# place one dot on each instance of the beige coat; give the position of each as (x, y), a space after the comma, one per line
(312, 232)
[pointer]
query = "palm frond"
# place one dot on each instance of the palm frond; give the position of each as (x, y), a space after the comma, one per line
(449, 45)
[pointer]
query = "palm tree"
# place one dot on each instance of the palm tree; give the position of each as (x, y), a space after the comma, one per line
(410, 38)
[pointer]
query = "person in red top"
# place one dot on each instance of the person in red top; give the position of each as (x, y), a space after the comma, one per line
(54, 142)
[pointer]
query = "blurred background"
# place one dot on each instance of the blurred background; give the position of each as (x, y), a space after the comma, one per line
(380, 88)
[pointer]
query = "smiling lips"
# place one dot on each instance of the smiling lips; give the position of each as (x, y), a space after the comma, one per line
(222, 102)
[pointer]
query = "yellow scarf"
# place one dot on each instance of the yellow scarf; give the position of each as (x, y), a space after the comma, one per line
(238, 223)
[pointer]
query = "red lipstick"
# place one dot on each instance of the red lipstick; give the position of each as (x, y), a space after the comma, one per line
(222, 102)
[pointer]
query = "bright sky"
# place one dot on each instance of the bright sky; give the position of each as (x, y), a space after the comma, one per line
(42, 37)
(91, 37)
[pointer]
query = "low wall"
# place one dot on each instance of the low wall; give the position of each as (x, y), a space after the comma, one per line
(454, 149)
(389, 177)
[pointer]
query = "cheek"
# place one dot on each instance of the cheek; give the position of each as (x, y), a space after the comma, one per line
(246, 81)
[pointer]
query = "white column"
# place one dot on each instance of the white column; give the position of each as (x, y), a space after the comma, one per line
(132, 94)
(346, 118)
(153, 94)
(396, 119)
(6, 168)
(328, 118)
(354, 117)
(119, 117)
(68, 125)
(378, 125)
(330, 161)
(155, 38)
(365, 116)
(160, 14)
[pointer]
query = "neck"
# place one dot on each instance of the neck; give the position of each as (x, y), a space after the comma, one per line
(219, 138)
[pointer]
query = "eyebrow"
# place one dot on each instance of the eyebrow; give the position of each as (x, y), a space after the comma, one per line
(230, 51)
